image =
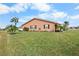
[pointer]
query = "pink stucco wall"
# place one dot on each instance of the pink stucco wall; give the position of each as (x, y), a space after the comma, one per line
(40, 24)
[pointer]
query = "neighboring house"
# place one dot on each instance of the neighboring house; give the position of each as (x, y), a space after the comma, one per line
(40, 25)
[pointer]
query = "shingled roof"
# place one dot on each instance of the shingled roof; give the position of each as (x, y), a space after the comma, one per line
(40, 20)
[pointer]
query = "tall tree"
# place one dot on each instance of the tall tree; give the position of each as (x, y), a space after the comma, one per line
(14, 20)
(13, 28)
(66, 23)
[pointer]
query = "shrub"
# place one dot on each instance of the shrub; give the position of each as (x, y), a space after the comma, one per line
(12, 28)
(25, 29)
(57, 30)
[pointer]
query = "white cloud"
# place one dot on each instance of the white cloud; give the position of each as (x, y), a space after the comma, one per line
(74, 17)
(77, 7)
(4, 9)
(19, 7)
(45, 16)
(53, 15)
(58, 14)
(2, 25)
(42, 16)
(41, 6)
(49, 16)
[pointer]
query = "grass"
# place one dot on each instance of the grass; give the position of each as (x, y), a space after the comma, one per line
(40, 43)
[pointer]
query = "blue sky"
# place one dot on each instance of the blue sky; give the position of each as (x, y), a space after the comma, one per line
(58, 12)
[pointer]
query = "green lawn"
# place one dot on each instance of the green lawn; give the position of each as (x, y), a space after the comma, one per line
(40, 43)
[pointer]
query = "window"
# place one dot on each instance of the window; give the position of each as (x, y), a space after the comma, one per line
(46, 26)
(33, 27)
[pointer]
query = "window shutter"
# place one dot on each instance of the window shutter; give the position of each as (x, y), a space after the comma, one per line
(44, 26)
(48, 26)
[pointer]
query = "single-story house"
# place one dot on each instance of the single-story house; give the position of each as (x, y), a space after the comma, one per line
(37, 24)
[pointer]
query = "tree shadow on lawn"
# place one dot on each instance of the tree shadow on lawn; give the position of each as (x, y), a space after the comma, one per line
(13, 33)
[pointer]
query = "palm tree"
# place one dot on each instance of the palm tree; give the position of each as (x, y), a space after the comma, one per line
(13, 28)
(14, 20)
(66, 23)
